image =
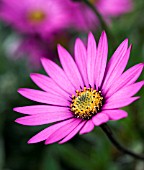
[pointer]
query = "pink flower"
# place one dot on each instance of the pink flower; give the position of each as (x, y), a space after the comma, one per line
(85, 19)
(86, 92)
(35, 16)
(34, 48)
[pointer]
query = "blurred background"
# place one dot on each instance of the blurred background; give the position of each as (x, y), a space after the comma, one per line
(25, 36)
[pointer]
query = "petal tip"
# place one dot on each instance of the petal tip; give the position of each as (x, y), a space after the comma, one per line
(20, 90)
(30, 142)
(17, 121)
(90, 34)
(33, 75)
(59, 47)
(103, 34)
(15, 109)
(43, 60)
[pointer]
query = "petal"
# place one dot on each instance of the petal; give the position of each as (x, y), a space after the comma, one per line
(114, 62)
(58, 75)
(88, 127)
(91, 57)
(43, 118)
(44, 134)
(100, 119)
(80, 58)
(115, 114)
(119, 68)
(119, 103)
(70, 67)
(127, 91)
(101, 59)
(48, 85)
(127, 78)
(63, 131)
(38, 109)
(73, 133)
(43, 97)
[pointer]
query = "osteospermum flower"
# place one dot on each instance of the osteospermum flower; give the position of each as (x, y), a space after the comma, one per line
(35, 16)
(86, 92)
(85, 19)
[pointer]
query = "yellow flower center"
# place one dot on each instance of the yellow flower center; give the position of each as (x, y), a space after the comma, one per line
(86, 103)
(36, 16)
(93, 1)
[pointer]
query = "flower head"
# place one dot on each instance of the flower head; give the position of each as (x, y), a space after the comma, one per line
(85, 19)
(35, 16)
(86, 92)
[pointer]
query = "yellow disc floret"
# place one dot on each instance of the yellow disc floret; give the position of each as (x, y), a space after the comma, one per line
(86, 103)
(36, 16)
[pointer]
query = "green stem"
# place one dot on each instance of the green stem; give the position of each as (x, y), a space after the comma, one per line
(106, 129)
(101, 20)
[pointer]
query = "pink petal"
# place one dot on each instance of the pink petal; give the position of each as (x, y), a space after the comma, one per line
(38, 109)
(100, 119)
(43, 118)
(43, 97)
(115, 114)
(118, 70)
(101, 59)
(80, 58)
(114, 62)
(48, 85)
(44, 134)
(88, 127)
(91, 57)
(63, 131)
(73, 133)
(58, 75)
(127, 78)
(70, 67)
(119, 103)
(127, 91)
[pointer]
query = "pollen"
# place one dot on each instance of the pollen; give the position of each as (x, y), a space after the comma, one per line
(36, 16)
(86, 103)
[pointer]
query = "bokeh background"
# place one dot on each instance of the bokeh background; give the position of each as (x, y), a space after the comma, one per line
(92, 151)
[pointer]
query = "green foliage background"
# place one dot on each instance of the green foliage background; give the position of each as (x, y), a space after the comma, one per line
(92, 151)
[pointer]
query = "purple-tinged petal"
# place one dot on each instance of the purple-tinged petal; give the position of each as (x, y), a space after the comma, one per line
(115, 114)
(63, 131)
(127, 91)
(38, 109)
(48, 85)
(127, 78)
(91, 57)
(100, 119)
(44, 134)
(115, 61)
(114, 104)
(80, 58)
(43, 97)
(119, 68)
(70, 67)
(58, 75)
(101, 59)
(88, 127)
(73, 133)
(43, 118)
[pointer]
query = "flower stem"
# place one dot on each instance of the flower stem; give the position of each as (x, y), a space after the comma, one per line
(101, 20)
(114, 141)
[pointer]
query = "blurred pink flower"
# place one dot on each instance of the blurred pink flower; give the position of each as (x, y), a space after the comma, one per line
(33, 50)
(35, 47)
(35, 16)
(86, 92)
(85, 19)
